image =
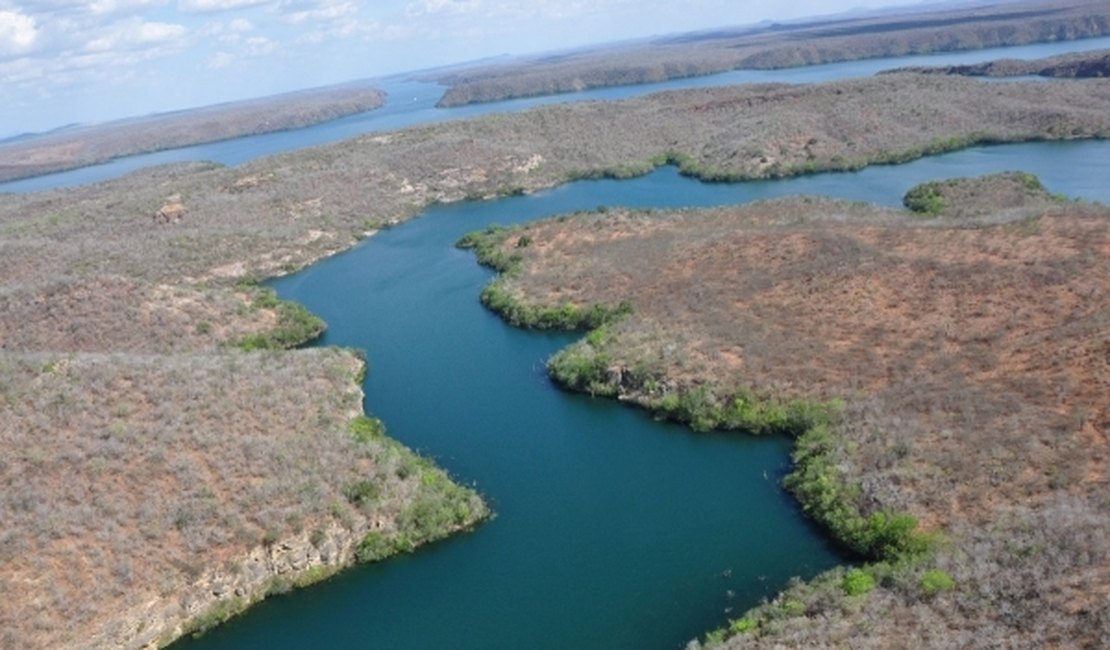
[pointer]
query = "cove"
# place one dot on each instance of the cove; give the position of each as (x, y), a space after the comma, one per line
(612, 530)
(412, 103)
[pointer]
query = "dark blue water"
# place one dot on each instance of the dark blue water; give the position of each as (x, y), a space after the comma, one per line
(411, 103)
(613, 530)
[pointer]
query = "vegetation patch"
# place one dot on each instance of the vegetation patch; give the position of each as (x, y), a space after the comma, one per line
(294, 325)
(489, 246)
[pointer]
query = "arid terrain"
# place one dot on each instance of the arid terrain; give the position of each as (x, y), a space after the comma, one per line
(780, 46)
(145, 287)
(88, 145)
(966, 347)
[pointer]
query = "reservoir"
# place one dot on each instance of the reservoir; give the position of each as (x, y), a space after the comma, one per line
(612, 530)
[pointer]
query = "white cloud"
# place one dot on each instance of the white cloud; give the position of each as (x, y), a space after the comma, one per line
(135, 33)
(210, 6)
(259, 46)
(18, 33)
(220, 60)
(426, 7)
(298, 13)
(240, 25)
(118, 6)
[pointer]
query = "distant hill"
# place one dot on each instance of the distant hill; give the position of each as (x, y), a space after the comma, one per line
(934, 28)
(79, 145)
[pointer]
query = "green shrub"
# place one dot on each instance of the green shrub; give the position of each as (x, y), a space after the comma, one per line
(935, 581)
(219, 613)
(373, 547)
(828, 498)
(361, 492)
(857, 582)
(366, 429)
(582, 367)
(924, 199)
(295, 325)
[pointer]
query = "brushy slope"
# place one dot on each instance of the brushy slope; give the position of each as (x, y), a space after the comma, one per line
(138, 487)
(968, 345)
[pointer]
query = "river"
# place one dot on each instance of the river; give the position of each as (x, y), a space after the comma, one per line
(410, 103)
(613, 530)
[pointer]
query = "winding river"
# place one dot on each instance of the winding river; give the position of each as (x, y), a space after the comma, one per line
(613, 530)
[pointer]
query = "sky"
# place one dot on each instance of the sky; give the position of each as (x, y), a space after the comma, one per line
(64, 62)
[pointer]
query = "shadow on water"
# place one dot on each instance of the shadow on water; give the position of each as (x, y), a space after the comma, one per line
(613, 530)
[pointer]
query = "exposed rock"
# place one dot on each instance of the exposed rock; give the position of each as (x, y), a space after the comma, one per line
(232, 587)
(170, 213)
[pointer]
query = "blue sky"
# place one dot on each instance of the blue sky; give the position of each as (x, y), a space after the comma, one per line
(63, 61)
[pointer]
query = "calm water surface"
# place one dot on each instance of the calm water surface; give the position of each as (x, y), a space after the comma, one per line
(411, 103)
(613, 531)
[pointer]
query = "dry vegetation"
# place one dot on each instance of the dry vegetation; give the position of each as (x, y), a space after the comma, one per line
(98, 295)
(781, 46)
(969, 345)
(89, 145)
(134, 486)
(278, 214)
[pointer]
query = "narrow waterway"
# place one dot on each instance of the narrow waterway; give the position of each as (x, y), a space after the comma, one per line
(411, 103)
(612, 530)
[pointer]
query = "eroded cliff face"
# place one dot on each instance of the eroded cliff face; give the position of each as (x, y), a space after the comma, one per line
(229, 588)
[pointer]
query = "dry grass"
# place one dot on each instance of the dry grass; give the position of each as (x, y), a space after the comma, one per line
(972, 350)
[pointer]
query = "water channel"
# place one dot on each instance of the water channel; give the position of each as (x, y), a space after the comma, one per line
(613, 530)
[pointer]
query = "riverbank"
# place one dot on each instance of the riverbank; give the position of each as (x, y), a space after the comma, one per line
(964, 341)
(778, 46)
(91, 271)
